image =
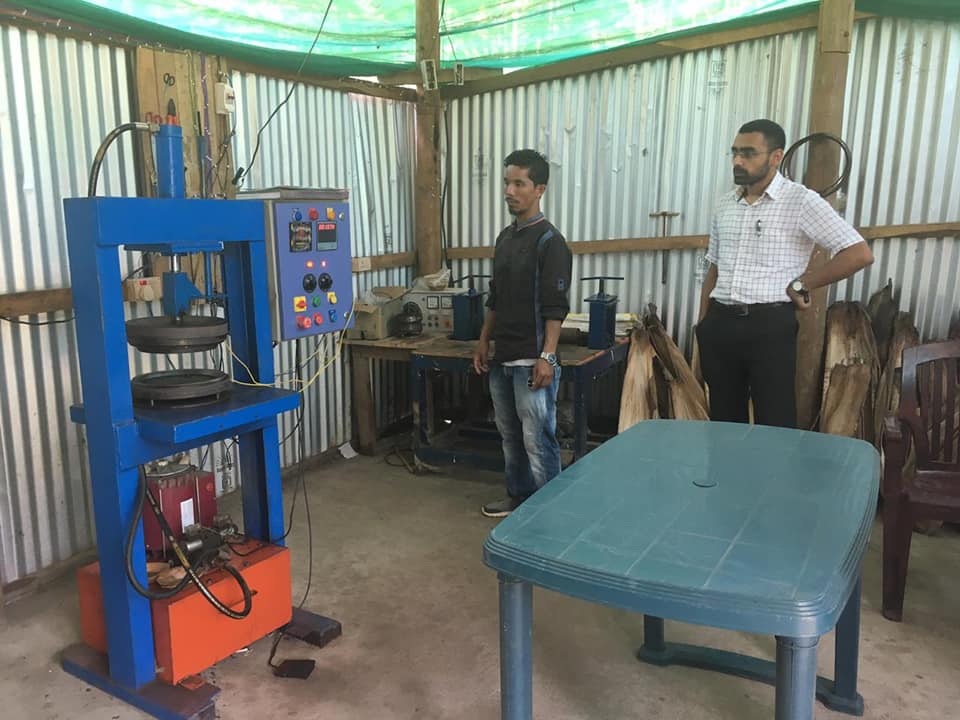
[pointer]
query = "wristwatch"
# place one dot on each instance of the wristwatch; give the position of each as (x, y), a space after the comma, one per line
(550, 358)
(800, 289)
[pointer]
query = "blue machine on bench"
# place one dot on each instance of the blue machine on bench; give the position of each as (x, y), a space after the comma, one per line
(123, 433)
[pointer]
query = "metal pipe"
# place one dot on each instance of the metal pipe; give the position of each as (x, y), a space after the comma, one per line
(102, 151)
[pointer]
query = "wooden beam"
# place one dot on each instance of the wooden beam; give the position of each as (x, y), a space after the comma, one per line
(590, 247)
(696, 242)
(882, 232)
(445, 76)
(343, 84)
(41, 301)
(834, 37)
(383, 262)
(33, 302)
(429, 124)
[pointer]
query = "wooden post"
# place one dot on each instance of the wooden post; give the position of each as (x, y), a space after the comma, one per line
(834, 36)
(429, 124)
(364, 410)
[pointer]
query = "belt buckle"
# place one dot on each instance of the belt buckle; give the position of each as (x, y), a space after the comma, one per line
(741, 309)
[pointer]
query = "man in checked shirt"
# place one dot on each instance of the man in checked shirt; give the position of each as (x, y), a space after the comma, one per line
(760, 244)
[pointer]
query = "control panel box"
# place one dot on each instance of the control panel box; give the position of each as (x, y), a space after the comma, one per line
(309, 260)
(436, 307)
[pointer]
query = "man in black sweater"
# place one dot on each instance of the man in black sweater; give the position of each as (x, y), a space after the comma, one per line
(529, 298)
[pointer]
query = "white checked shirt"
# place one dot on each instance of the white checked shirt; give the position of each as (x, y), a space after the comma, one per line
(760, 249)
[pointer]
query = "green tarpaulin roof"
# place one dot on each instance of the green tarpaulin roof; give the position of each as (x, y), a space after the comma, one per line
(373, 37)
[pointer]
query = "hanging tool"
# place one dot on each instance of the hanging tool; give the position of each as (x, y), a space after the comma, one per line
(603, 314)
(664, 216)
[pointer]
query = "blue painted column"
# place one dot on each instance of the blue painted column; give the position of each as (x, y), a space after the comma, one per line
(101, 341)
(245, 278)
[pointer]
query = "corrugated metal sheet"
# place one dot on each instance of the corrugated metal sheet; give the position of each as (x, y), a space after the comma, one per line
(323, 138)
(630, 141)
(58, 99)
(624, 143)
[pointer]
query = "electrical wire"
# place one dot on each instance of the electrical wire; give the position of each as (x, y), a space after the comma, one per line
(243, 172)
(37, 324)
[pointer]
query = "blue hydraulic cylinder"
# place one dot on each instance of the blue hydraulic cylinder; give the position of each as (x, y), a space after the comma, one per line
(170, 175)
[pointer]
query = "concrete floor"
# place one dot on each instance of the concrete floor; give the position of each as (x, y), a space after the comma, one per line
(398, 561)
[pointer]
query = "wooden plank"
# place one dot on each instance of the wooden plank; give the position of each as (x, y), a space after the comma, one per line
(445, 76)
(343, 84)
(383, 262)
(429, 124)
(911, 231)
(591, 247)
(834, 33)
(364, 410)
(37, 301)
(33, 302)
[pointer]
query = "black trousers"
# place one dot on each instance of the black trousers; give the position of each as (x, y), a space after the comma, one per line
(750, 354)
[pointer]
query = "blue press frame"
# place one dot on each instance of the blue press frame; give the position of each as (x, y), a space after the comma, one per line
(118, 439)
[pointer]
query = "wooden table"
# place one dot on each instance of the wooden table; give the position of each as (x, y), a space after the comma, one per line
(438, 352)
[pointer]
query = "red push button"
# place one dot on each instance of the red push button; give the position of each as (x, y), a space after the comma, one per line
(304, 322)
(313, 213)
(318, 318)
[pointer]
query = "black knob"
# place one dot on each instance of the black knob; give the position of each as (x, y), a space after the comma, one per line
(326, 282)
(309, 282)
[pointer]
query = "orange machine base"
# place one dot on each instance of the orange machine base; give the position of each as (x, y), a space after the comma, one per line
(189, 634)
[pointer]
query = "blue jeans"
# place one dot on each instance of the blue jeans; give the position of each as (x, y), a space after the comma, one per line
(527, 421)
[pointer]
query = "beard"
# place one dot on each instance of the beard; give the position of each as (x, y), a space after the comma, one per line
(743, 178)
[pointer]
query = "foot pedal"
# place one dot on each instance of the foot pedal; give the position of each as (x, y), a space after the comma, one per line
(299, 669)
(312, 628)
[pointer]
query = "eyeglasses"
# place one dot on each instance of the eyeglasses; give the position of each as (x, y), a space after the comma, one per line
(747, 153)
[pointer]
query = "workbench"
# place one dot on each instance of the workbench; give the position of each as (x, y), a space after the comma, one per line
(742, 527)
(428, 352)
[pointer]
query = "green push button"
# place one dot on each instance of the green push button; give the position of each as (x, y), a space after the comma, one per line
(316, 301)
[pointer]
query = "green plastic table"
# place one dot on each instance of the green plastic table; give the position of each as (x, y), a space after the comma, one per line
(742, 527)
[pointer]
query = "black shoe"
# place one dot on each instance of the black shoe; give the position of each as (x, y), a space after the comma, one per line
(501, 508)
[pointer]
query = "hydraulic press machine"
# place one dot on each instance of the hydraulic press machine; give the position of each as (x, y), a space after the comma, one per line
(286, 269)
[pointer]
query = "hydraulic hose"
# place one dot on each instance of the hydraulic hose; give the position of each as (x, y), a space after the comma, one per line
(847, 161)
(128, 550)
(143, 493)
(102, 151)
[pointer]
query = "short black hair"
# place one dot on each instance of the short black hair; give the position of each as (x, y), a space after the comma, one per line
(536, 164)
(774, 135)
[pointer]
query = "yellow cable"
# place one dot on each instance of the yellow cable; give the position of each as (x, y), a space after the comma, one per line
(304, 386)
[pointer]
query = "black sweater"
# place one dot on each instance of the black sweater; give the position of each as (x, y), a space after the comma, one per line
(531, 283)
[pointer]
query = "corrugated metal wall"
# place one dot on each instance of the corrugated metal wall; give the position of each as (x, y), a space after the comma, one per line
(58, 98)
(630, 141)
(624, 143)
(323, 138)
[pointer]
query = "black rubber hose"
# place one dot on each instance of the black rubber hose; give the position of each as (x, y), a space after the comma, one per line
(247, 595)
(847, 161)
(128, 550)
(102, 151)
(191, 575)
